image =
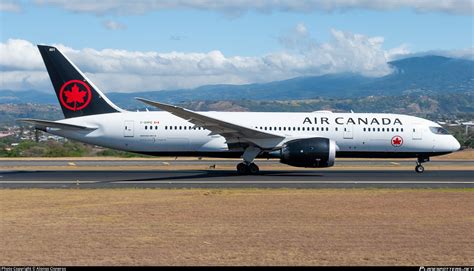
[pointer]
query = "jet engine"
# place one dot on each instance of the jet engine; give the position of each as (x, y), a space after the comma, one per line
(310, 152)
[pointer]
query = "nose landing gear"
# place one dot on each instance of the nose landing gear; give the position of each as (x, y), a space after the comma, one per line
(419, 168)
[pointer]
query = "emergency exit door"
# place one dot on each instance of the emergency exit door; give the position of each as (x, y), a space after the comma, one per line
(348, 132)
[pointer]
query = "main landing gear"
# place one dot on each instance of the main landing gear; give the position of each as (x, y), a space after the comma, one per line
(419, 168)
(248, 166)
(244, 169)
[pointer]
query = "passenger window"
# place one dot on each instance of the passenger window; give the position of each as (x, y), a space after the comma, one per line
(401, 129)
(327, 129)
(146, 127)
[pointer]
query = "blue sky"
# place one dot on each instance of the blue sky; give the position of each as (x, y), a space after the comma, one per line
(227, 31)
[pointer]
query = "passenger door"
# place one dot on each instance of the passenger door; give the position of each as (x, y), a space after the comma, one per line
(417, 133)
(128, 128)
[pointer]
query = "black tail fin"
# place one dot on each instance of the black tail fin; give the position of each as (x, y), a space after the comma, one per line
(76, 94)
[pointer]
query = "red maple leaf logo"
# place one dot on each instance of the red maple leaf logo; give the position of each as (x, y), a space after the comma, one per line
(75, 96)
(397, 141)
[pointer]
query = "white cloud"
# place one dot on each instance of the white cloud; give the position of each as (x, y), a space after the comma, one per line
(113, 25)
(121, 70)
(346, 52)
(301, 29)
(22, 68)
(17, 54)
(9, 6)
(25, 80)
(121, 7)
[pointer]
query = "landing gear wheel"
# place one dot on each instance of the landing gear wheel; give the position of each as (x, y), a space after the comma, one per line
(419, 169)
(242, 169)
(253, 169)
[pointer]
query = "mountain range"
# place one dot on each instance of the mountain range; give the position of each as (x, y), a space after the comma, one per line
(425, 75)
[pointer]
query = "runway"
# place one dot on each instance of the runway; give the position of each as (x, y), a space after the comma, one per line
(229, 179)
(228, 162)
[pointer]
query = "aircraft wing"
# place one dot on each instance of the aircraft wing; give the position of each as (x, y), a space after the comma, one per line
(44, 124)
(217, 126)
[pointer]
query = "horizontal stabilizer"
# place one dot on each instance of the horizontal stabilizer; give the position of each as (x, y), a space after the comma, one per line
(43, 124)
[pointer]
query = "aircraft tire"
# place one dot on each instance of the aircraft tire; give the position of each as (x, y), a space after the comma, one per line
(419, 169)
(253, 169)
(242, 169)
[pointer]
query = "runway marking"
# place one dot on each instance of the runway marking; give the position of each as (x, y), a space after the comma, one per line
(395, 163)
(71, 163)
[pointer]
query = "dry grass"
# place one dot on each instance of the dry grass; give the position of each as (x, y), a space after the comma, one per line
(467, 154)
(236, 227)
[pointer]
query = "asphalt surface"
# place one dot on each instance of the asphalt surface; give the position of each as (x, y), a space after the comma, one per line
(233, 162)
(229, 179)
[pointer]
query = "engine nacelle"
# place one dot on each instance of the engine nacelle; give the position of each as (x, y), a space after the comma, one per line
(310, 152)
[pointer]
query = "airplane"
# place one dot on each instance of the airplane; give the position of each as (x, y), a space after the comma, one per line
(311, 139)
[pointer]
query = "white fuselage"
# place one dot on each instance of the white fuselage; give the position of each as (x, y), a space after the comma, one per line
(355, 134)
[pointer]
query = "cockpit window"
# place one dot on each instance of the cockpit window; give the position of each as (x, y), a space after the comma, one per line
(439, 131)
